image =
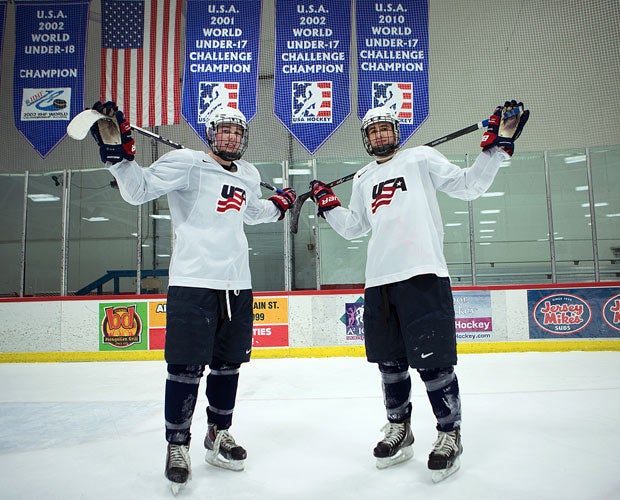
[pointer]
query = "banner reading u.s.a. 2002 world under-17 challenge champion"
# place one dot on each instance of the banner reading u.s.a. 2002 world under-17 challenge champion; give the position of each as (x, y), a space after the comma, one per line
(312, 68)
(48, 78)
(392, 57)
(221, 59)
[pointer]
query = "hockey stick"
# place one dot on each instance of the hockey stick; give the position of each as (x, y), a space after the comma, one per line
(80, 126)
(301, 199)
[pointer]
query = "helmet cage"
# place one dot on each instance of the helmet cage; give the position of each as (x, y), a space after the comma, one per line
(227, 117)
(378, 115)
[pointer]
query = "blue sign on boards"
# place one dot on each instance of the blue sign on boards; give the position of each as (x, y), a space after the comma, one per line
(392, 59)
(312, 68)
(574, 313)
(221, 59)
(48, 78)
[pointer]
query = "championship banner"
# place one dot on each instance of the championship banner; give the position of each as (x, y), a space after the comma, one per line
(221, 59)
(392, 58)
(312, 68)
(48, 77)
(140, 59)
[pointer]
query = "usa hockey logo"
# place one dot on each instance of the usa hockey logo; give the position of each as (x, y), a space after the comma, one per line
(611, 312)
(312, 102)
(383, 193)
(562, 314)
(213, 95)
(397, 96)
(232, 199)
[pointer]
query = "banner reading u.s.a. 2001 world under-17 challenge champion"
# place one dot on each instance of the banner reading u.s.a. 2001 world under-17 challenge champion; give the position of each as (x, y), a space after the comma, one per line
(392, 57)
(221, 59)
(48, 78)
(312, 68)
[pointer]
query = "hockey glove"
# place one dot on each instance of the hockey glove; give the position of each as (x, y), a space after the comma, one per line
(113, 135)
(324, 197)
(284, 200)
(505, 126)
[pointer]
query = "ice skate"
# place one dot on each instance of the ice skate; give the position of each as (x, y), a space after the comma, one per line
(178, 466)
(444, 460)
(395, 447)
(222, 450)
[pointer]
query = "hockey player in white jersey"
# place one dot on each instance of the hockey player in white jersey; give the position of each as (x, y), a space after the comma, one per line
(209, 302)
(409, 318)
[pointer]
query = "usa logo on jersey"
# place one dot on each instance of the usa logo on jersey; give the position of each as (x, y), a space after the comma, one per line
(383, 193)
(212, 95)
(312, 102)
(231, 198)
(395, 95)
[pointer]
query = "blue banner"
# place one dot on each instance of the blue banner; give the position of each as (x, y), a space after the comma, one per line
(221, 59)
(582, 313)
(48, 77)
(312, 68)
(392, 58)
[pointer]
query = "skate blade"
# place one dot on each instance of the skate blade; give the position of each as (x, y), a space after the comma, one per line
(439, 475)
(218, 461)
(176, 487)
(403, 454)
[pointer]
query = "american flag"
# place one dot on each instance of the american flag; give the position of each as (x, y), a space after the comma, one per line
(140, 59)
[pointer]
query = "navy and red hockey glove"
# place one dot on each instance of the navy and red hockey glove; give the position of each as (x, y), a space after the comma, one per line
(284, 200)
(324, 197)
(113, 135)
(505, 126)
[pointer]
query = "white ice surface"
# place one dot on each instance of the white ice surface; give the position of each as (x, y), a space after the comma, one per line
(535, 426)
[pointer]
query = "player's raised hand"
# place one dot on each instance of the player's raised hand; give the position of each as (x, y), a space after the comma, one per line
(505, 126)
(113, 135)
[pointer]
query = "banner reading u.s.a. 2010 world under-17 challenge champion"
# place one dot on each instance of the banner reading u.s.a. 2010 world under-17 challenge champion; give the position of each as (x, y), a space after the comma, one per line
(48, 78)
(392, 57)
(221, 59)
(312, 68)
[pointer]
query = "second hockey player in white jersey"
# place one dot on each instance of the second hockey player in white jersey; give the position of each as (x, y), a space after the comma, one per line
(409, 318)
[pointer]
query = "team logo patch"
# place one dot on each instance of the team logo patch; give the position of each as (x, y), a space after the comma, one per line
(213, 95)
(562, 314)
(45, 104)
(383, 193)
(231, 199)
(395, 95)
(611, 312)
(312, 102)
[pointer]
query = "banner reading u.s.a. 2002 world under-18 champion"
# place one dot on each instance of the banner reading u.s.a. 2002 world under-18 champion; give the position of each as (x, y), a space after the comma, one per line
(312, 68)
(392, 57)
(48, 78)
(221, 59)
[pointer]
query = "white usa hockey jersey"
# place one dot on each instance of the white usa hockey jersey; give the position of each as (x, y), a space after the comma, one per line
(397, 201)
(208, 207)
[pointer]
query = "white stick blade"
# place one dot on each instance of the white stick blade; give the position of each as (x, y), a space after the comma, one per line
(79, 127)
